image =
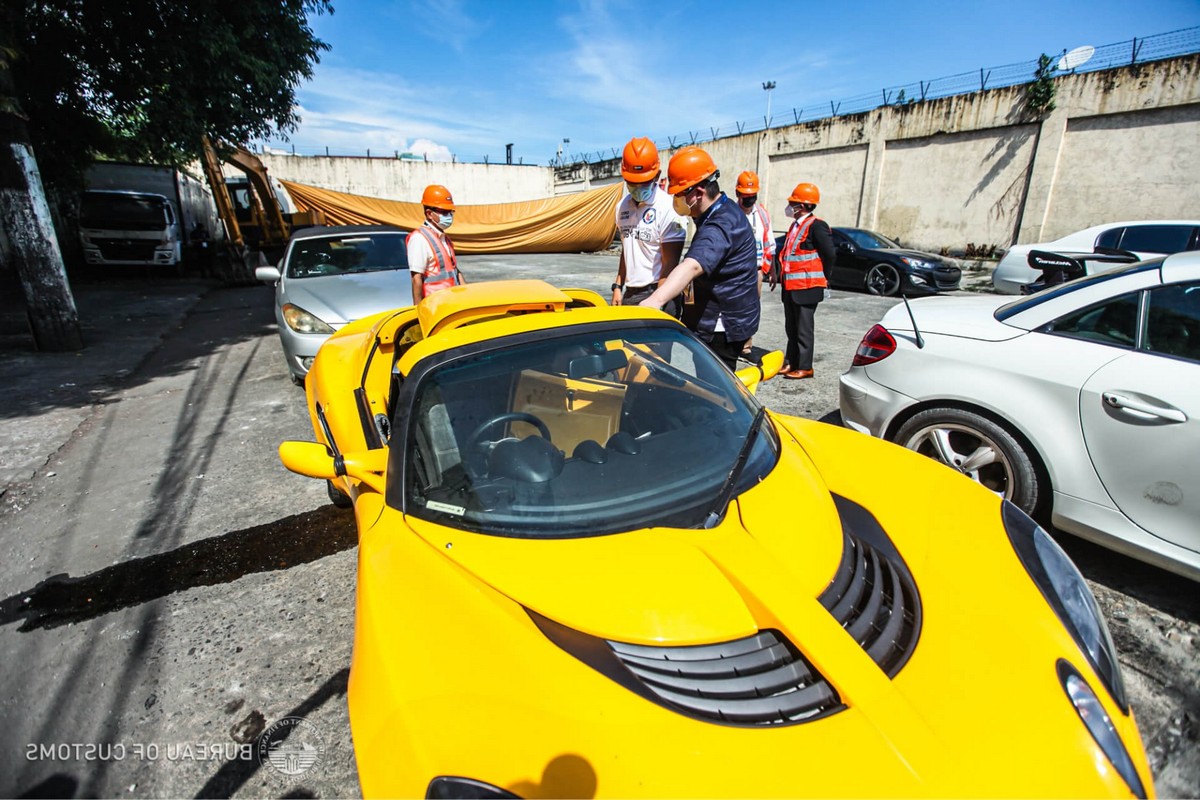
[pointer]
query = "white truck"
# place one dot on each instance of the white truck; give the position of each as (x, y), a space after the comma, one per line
(142, 214)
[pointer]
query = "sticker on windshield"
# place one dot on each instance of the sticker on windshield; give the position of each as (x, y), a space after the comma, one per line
(446, 508)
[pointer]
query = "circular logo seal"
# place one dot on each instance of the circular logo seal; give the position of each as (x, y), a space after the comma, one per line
(292, 746)
(648, 216)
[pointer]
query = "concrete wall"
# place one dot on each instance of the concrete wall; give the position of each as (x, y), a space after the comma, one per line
(980, 170)
(1097, 180)
(404, 179)
(974, 169)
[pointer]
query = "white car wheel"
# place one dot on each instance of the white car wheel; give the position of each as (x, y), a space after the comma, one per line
(979, 449)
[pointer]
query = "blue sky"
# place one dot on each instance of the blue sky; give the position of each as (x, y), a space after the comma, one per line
(458, 76)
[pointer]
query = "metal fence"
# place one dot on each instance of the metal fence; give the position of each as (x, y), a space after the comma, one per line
(1133, 51)
(391, 155)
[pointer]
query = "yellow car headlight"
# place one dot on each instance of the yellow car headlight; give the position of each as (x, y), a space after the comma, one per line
(448, 787)
(1096, 720)
(1068, 594)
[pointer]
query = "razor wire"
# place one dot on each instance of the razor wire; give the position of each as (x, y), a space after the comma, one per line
(1120, 54)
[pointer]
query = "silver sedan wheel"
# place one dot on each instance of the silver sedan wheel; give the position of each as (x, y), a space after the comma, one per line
(969, 452)
(981, 449)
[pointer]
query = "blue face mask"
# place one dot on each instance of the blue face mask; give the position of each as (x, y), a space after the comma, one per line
(445, 220)
(641, 192)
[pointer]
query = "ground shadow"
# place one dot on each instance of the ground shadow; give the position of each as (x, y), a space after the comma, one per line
(234, 774)
(1169, 593)
(123, 321)
(832, 417)
(278, 545)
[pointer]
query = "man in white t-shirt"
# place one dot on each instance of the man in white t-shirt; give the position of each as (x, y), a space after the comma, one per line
(652, 233)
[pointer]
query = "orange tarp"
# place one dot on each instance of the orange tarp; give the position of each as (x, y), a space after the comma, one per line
(573, 223)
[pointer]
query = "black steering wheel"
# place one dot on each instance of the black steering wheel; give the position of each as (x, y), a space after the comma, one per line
(476, 437)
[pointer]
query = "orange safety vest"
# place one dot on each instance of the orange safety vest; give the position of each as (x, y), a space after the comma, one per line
(801, 267)
(763, 245)
(444, 273)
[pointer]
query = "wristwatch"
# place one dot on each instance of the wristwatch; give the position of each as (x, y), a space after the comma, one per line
(618, 287)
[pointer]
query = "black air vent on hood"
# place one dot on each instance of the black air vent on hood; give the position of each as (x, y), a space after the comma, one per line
(758, 681)
(873, 595)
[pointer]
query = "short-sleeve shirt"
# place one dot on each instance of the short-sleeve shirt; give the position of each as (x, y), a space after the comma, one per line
(727, 292)
(421, 257)
(764, 241)
(644, 228)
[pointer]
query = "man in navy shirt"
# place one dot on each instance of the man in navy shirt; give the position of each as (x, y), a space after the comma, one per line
(721, 263)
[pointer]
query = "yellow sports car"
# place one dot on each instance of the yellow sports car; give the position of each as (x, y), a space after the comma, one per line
(591, 564)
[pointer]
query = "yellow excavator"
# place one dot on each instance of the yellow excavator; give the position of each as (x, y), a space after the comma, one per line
(257, 220)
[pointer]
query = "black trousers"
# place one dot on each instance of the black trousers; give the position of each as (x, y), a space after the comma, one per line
(632, 296)
(725, 349)
(799, 322)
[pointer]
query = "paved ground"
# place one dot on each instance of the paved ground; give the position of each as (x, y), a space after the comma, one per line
(166, 588)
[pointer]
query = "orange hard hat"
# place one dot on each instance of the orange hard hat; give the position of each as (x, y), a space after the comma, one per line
(747, 183)
(688, 167)
(639, 162)
(805, 193)
(437, 197)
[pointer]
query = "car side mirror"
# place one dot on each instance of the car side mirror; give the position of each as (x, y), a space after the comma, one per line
(314, 460)
(267, 274)
(847, 246)
(766, 369)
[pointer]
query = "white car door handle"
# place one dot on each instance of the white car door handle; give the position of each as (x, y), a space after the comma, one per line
(1125, 402)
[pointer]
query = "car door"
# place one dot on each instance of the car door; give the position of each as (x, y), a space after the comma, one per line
(1140, 416)
(848, 269)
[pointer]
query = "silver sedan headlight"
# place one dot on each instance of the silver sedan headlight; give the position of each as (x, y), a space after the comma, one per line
(301, 321)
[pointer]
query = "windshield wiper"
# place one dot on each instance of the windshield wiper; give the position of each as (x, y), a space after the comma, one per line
(726, 493)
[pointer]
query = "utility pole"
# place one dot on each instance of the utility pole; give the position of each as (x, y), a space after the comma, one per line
(25, 220)
(768, 86)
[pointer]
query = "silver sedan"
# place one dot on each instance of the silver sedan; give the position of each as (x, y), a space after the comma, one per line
(1081, 404)
(331, 276)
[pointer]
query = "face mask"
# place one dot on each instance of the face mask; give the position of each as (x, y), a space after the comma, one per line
(681, 207)
(749, 201)
(641, 192)
(789, 211)
(445, 220)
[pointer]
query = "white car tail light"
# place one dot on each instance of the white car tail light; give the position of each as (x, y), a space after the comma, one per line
(876, 345)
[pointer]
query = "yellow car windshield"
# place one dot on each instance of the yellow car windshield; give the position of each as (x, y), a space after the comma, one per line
(573, 432)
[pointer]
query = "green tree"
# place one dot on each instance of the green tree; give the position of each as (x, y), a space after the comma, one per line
(139, 80)
(1039, 93)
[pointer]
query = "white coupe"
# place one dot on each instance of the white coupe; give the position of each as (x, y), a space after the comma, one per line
(1145, 238)
(1081, 403)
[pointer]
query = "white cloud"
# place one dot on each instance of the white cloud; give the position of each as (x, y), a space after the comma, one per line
(352, 111)
(595, 83)
(431, 150)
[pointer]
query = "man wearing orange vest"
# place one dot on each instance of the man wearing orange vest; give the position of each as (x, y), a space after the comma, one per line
(430, 255)
(807, 252)
(764, 242)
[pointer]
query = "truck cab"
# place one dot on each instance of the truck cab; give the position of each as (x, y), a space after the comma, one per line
(129, 228)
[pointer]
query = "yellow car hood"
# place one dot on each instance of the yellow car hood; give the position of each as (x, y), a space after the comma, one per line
(662, 585)
(976, 709)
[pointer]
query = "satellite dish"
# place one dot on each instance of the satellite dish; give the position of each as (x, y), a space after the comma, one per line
(1076, 58)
